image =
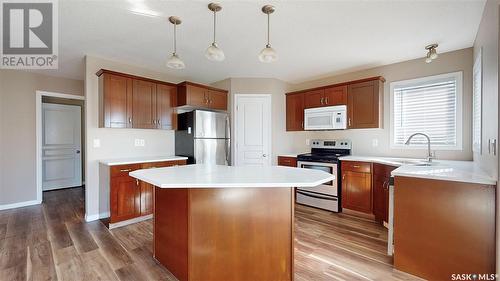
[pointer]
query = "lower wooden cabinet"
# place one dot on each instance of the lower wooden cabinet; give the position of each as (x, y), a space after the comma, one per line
(357, 186)
(129, 197)
(381, 177)
(287, 161)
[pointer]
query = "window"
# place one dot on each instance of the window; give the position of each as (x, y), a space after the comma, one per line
(429, 105)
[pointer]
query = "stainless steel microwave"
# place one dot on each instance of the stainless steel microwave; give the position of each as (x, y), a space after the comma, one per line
(326, 118)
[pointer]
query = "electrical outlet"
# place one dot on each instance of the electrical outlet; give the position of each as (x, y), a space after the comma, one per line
(374, 142)
(97, 143)
(139, 142)
(308, 141)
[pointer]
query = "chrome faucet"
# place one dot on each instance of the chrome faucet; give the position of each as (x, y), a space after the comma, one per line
(429, 153)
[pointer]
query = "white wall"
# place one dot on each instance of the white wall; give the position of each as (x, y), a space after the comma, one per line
(116, 143)
(18, 129)
(487, 39)
(460, 60)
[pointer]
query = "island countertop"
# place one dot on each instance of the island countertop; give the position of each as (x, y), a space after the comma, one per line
(218, 176)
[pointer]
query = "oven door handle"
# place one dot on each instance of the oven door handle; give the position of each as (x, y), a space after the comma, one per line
(317, 196)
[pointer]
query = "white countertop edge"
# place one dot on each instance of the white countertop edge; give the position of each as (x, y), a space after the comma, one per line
(135, 160)
(441, 178)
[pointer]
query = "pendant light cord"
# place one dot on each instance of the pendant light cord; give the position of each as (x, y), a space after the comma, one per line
(268, 22)
(215, 22)
(175, 38)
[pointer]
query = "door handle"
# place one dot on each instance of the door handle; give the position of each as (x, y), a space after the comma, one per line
(264, 155)
(78, 152)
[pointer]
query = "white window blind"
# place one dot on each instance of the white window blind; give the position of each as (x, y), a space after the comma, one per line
(427, 105)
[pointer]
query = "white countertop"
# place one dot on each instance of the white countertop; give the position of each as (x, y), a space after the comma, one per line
(460, 171)
(143, 159)
(215, 176)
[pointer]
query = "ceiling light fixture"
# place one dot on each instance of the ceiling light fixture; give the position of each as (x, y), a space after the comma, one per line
(431, 53)
(174, 61)
(213, 52)
(268, 54)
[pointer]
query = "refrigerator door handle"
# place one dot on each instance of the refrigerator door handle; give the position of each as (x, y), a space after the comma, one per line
(228, 141)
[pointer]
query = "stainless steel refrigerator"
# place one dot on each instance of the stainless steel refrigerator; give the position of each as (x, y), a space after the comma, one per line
(204, 137)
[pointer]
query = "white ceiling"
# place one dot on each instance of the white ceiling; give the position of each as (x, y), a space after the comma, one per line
(312, 38)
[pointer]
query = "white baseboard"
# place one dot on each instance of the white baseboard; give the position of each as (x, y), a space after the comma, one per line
(130, 221)
(95, 217)
(20, 204)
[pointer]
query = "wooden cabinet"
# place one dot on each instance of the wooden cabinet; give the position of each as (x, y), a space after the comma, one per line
(116, 98)
(197, 95)
(166, 100)
(295, 112)
(128, 101)
(357, 186)
(129, 197)
(364, 104)
(364, 100)
(287, 161)
(381, 177)
(326, 97)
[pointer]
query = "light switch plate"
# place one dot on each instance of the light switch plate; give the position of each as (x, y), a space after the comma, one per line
(139, 142)
(97, 143)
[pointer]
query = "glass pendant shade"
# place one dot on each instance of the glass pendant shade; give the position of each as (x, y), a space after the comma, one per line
(214, 53)
(428, 59)
(175, 62)
(268, 55)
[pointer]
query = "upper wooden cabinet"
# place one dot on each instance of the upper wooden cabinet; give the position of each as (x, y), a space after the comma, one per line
(295, 112)
(128, 101)
(197, 95)
(364, 104)
(363, 98)
(326, 97)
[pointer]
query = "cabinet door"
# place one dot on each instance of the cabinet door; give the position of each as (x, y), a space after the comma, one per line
(197, 96)
(146, 204)
(117, 95)
(380, 200)
(165, 102)
(144, 104)
(314, 99)
(363, 105)
(287, 161)
(217, 99)
(295, 112)
(356, 191)
(125, 198)
(336, 96)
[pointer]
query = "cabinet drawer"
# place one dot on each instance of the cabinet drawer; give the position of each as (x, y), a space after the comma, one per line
(360, 167)
(123, 170)
(287, 161)
(160, 164)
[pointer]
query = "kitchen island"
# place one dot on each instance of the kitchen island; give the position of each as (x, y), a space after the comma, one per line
(226, 222)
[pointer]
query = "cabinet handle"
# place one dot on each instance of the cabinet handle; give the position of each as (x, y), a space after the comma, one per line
(326, 100)
(158, 121)
(343, 177)
(349, 122)
(356, 166)
(154, 121)
(125, 170)
(130, 120)
(321, 100)
(302, 124)
(137, 182)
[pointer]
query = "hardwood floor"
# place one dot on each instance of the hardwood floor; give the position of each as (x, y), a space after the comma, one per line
(52, 241)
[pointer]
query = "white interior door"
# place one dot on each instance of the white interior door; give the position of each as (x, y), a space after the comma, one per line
(253, 130)
(61, 146)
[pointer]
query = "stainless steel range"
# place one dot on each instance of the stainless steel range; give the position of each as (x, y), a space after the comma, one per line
(324, 156)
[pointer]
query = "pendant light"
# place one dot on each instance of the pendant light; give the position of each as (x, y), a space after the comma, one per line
(174, 61)
(213, 52)
(268, 54)
(431, 53)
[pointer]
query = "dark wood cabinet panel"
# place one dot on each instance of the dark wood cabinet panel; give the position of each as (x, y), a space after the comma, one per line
(287, 161)
(314, 99)
(146, 206)
(115, 94)
(335, 96)
(125, 198)
(197, 96)
(166, 99)
(295, 112)
(356, 186)
(144, 104)
(381, 177)
(217, 100)
(363, 104)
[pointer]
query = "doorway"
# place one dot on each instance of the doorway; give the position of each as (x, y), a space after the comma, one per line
(60, 141)
(252, 130)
